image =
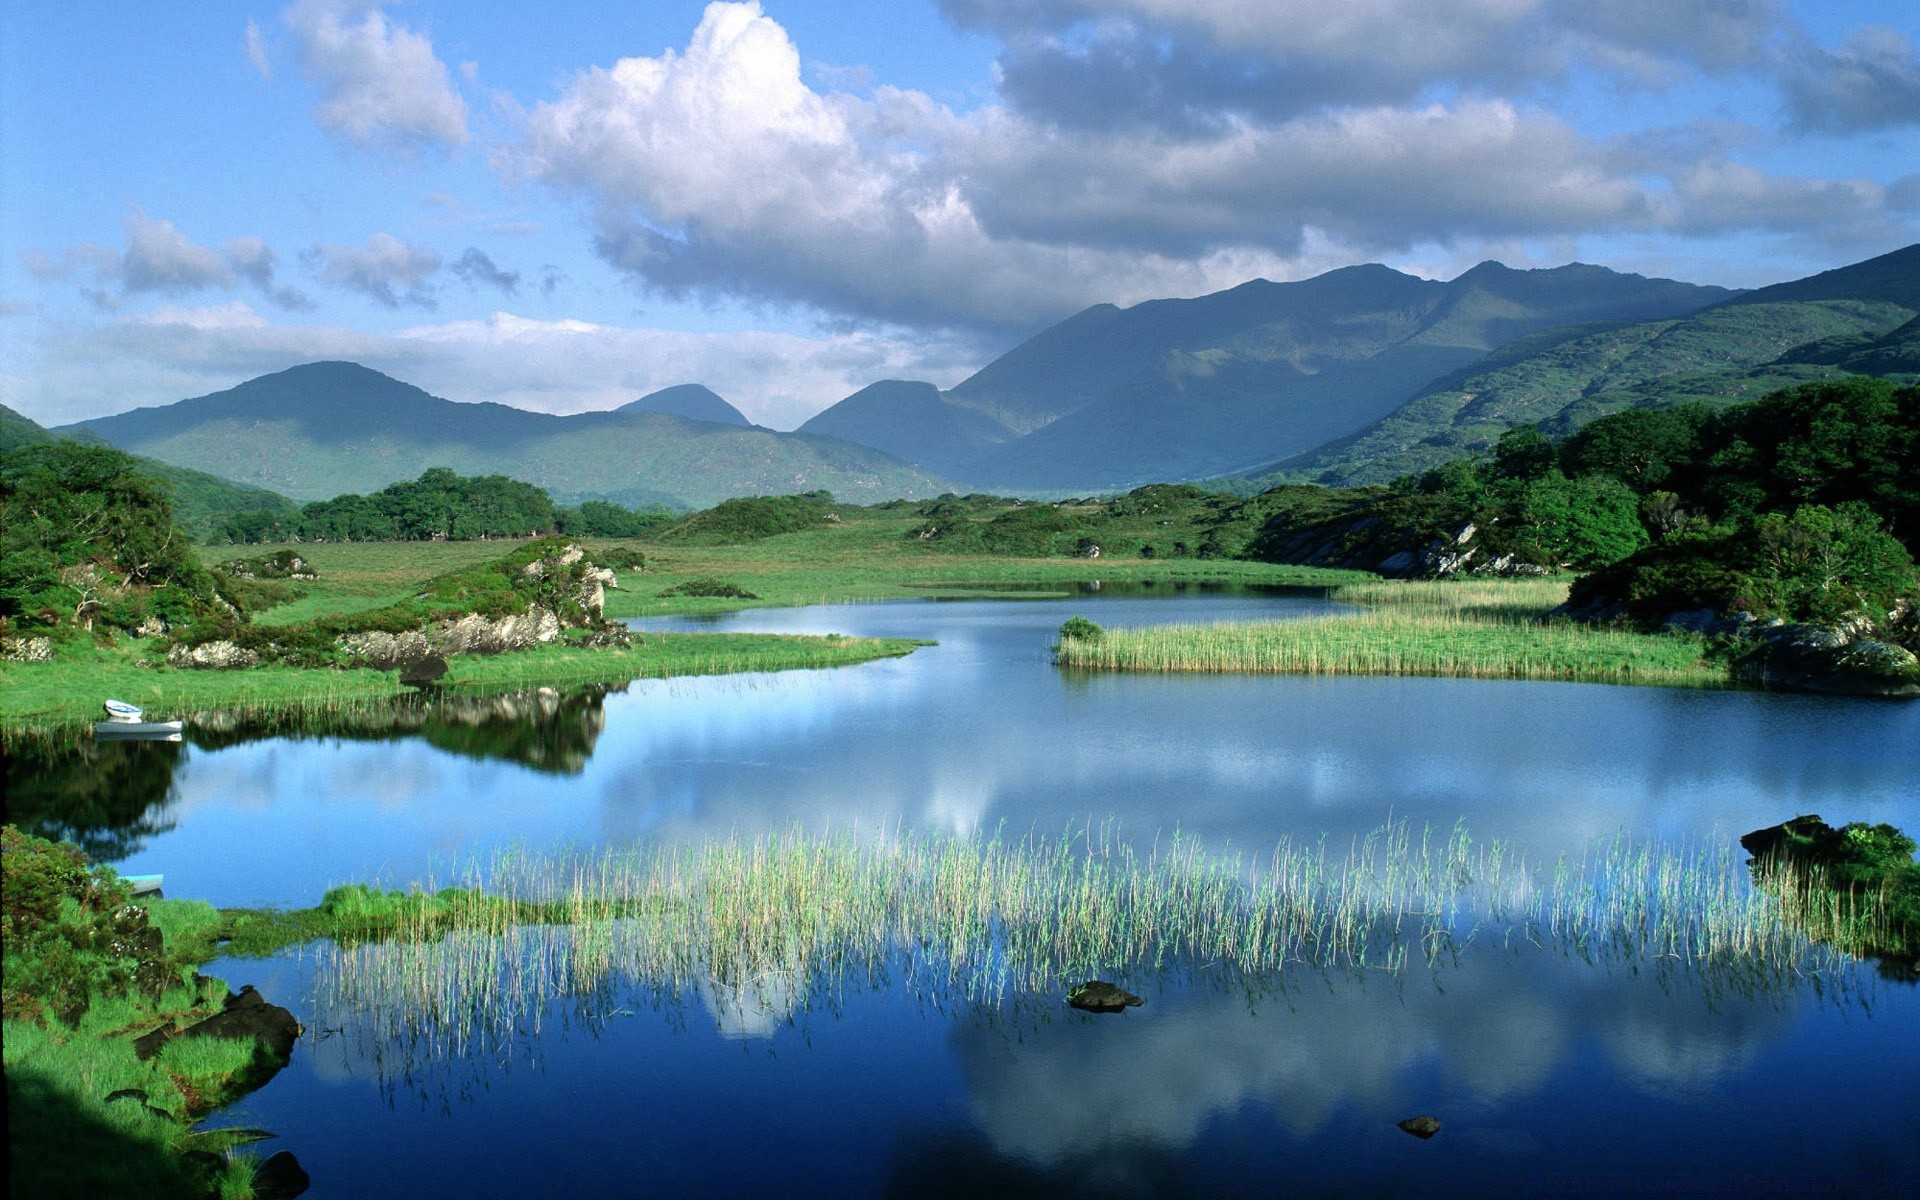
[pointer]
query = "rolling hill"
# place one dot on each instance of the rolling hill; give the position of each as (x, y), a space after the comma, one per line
(315, 431)
(1173, 389)
(201, 501)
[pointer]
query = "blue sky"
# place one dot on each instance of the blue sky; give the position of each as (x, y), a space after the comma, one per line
(564, 206)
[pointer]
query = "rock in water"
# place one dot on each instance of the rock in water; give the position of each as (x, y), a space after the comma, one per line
(1097, 996)
(280, 1178)
(1422, 1127)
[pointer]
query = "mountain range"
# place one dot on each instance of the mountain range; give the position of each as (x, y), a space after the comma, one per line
(318, 430)
(1178, 389)
(1357, 375)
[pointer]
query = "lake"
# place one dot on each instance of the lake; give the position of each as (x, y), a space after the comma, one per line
(1551, 1070)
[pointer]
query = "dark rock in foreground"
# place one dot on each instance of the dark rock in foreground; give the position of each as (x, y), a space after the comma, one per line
(246, 1016)
(1100, 997)
(280, 1178)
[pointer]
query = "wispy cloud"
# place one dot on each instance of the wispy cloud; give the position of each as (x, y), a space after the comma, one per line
(256, 48)
(387, 270)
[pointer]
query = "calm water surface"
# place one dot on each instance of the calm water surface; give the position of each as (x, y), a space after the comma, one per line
(1550, 1073)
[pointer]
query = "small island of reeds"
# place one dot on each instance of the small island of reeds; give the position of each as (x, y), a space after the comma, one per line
(1484, 629)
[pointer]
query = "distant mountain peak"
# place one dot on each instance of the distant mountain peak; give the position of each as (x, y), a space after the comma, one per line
(695, 401)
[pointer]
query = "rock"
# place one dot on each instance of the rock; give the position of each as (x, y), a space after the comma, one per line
(1100, 997)
(426, 669)
(280, 1178)
(385, 651)
(1422, 1127)
(1837, 660)
(1465, 533)
(33, 649)
(475, 634)
(219, 655)
(1397, 563)
(246, 1015)
(151, 627)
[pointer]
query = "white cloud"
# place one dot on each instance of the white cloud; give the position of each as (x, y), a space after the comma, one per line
(159, 259)
(380, 84)
(387, 270)
(717, 171)
(256, 47)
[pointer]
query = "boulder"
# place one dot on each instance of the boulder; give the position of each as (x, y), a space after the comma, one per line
(281, 1177)
(475, 634)
(1099, 996)
(245, 1015)
(428, 668)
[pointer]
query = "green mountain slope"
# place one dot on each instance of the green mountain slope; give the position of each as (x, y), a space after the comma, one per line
(692, 400)
(1562, 378)
(913, 422)
(16, 430)
(1173, 389)
(316, 431)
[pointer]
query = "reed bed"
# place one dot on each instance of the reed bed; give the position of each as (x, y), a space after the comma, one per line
(775, 924)
(1474, 630)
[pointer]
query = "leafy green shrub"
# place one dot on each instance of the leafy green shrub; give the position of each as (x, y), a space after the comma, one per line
(749, 519)
(621, 558)
(1079, 629)
(71, 935)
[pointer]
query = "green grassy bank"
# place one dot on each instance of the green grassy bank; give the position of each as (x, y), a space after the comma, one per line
(86, 974)
(1493, 629)
(69, 688)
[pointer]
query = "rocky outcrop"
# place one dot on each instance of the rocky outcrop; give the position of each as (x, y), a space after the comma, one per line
(385, 651)
(220, 655)
(475, 634)
(1402, 552)
(1843, 659)
(33, 649)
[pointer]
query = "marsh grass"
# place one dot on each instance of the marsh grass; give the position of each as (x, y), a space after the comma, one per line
(777, 923)
(1475, 630)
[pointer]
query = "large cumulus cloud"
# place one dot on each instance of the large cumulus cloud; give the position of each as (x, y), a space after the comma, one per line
(1140, 148)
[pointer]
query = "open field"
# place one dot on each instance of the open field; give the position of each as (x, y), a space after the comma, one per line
(870, 555)
(1491, 629)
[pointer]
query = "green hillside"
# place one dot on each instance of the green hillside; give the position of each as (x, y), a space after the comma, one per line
(202, 502)
(16, 430)
(1563, 378)
(317, 431)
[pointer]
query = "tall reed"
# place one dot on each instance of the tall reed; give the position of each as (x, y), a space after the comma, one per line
(776, 922)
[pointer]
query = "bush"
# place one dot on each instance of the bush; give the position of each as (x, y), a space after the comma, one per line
(1079, 629)
(710, 587)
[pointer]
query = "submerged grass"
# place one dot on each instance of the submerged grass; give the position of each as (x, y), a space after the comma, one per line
(772, 922)
(1481, 630)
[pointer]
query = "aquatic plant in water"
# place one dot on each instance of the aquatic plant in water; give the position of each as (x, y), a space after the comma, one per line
(761, 928)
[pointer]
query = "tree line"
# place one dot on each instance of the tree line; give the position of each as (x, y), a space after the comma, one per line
(441, 505)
